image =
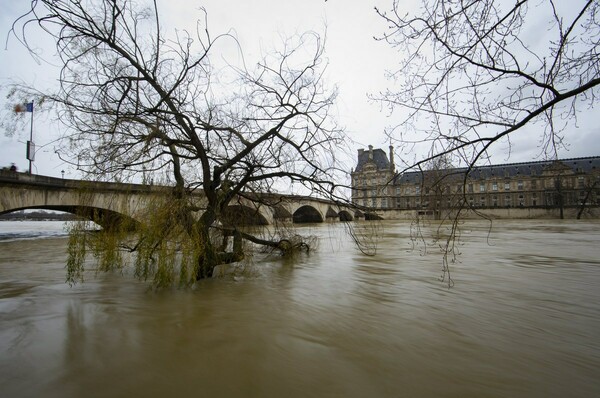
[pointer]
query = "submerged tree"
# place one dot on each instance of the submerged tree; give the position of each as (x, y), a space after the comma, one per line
(477, 72)
(138, 101)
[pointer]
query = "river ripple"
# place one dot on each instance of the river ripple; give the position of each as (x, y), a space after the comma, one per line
(522, 320)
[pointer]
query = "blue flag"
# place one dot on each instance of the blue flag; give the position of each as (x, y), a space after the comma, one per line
(26, 107)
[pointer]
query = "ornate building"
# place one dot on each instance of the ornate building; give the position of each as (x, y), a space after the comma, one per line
(559, 184)
(373, 179)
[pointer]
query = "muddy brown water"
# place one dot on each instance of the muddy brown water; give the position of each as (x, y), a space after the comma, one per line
(522, 320)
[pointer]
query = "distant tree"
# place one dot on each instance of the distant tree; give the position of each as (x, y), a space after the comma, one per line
(474, 73)
(588, 194)
(438, 178)
(138, 101)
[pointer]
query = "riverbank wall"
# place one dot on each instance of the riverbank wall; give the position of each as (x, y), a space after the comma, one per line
(514, 213)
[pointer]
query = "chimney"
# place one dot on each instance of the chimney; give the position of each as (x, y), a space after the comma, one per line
(392, 166)
(370, 152)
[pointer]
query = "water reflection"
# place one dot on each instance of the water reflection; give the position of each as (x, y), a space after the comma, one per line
(521, 321)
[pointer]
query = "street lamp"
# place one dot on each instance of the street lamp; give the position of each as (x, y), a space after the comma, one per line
(63, 174)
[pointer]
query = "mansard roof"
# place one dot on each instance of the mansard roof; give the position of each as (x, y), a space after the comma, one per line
(511, 170)
(380, 159)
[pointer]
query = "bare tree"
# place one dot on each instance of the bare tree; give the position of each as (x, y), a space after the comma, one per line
(588, 195)
(137, 100)
(473, 73)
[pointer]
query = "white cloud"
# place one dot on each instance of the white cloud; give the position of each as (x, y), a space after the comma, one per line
(356, 64)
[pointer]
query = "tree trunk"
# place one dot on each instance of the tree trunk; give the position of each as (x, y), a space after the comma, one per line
(207, 258)
(212, 256)
(585, 199)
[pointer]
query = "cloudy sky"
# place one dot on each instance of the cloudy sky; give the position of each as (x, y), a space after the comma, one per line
(357, 64)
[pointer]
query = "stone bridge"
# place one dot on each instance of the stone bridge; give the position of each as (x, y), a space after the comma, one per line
(107, 203)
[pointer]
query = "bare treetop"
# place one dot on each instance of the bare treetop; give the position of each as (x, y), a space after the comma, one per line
(132, 93)
(475, 72)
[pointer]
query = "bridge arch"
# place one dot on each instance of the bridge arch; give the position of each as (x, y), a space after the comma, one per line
(307, 214)
(345, 215)
(280, 213)
(243, 215)
(105, 218)
(373, 217)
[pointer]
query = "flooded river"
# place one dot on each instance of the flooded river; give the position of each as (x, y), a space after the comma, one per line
(522, 320)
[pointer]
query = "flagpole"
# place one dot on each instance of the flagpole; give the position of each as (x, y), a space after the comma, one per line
(31, 137)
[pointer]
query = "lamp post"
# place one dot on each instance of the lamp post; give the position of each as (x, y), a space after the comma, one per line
(63, 174)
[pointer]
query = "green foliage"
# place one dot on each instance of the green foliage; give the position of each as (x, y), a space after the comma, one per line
(165, 265)
(171, 244)
(106, 250)
(166, 246)
(76, 251)
(191, 249)
(166, 251)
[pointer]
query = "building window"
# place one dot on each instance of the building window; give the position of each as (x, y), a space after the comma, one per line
(507, 186)
(580, 182)
(418, 190)
(494, 186)
(481, 187)
(507, 201)
(374, 202)
(533, 184)
(398, 191)
(495, 201)
(384, 202)
(520, 185)
(482, 201)
(470, 188)
(521, 200)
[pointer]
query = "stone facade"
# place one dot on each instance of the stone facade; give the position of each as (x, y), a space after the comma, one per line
(373, 179)
(561, 184)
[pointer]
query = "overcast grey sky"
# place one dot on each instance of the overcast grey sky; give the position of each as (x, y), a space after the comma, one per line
(357, 64)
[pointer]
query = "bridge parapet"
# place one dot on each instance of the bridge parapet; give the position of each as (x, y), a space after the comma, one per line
(12, 177)
(29, 191)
